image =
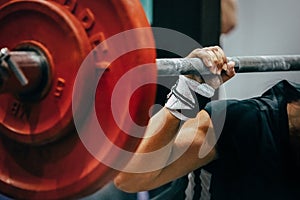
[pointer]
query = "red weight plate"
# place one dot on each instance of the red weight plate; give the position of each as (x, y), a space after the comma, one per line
(60, 35)
(42, 156)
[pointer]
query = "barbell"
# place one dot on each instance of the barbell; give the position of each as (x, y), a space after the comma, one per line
(46, 42)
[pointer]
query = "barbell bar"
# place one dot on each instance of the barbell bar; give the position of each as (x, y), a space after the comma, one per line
(171, 66)
(243, 64)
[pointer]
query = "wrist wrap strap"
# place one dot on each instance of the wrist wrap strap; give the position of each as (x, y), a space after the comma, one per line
(187, 97)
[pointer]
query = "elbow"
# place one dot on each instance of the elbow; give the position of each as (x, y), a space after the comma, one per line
(125, 184)
(131, 183)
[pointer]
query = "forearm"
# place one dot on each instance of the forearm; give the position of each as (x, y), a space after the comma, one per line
(178, 157)
(158, 139)
(184, 156)
(162, 128)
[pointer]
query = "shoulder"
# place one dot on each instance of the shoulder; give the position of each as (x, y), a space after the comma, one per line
(230, 107)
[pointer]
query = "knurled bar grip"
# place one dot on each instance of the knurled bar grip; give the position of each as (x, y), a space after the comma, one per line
(243, 64)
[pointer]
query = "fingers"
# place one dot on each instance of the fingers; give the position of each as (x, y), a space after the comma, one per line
(213, 57)
(216, 61)
(229, 72)
(218, 58)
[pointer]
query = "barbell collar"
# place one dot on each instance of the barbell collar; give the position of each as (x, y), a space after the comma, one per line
(243, 64)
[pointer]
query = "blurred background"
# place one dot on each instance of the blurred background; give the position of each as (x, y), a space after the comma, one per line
(264, 27)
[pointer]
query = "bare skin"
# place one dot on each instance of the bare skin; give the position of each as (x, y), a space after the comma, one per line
(228, 15)
(163, 129)
(293, 110)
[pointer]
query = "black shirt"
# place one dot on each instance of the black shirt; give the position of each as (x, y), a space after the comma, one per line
(253, 147)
